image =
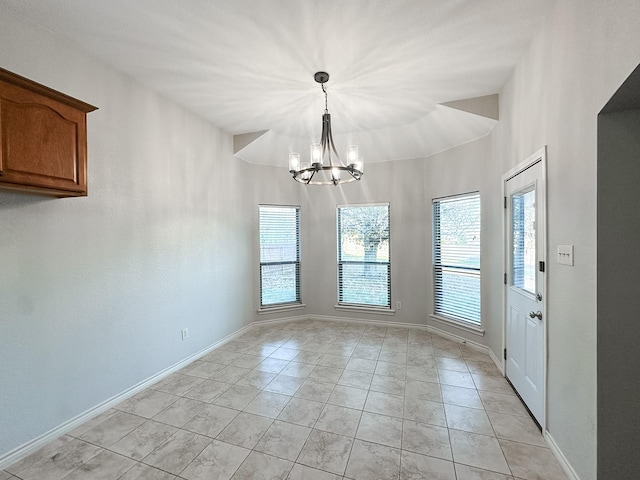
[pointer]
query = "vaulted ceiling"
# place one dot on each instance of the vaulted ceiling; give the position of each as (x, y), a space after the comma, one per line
(248, 65)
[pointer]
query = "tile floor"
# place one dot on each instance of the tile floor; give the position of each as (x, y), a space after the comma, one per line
(312, 400)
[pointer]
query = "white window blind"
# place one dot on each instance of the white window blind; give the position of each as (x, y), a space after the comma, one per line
(279, 255)
(456, 257)
(364, 267)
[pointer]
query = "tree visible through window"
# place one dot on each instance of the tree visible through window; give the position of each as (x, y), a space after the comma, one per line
(456, 257)
(279, 255)
(364, 269)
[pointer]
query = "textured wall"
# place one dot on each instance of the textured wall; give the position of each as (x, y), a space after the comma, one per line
(94, 291)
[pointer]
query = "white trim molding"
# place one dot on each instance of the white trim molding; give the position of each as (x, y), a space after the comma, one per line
(365, 321)
(562, 460)
(365, 309)
(465, 326)
(499, 363)
(281, 308)
(456, 338)
(274, 321)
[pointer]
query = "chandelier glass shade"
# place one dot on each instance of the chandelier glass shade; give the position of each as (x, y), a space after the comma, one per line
(324, 166)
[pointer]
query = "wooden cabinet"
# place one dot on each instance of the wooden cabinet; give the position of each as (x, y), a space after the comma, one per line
(43, 139)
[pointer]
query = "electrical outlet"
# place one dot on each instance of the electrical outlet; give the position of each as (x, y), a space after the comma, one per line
(185, 333)
(398, 305)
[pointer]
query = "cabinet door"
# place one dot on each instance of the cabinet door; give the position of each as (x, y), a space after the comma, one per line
(43, 143)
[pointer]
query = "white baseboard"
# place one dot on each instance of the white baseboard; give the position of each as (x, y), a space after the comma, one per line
(381, 323)
(562, 460)
(274, 321)
(497, 361)
(471, 343)
(458, 339)
(31, 446)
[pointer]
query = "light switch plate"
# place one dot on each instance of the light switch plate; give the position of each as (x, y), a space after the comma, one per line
(565, 255)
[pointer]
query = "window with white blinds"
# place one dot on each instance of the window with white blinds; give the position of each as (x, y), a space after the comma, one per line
(279, 255)
(364, 267)
(456, 257)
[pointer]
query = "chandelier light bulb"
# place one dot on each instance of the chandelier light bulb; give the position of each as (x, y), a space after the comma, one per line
(352, 154)
(335, 174)
(316, 154)
(294, 162)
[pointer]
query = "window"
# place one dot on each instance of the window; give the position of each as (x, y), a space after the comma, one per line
(364, 269)
(523, 269)
(456, 257)
(279, 255)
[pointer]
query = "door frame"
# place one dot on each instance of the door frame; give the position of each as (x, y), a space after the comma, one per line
(538, 157)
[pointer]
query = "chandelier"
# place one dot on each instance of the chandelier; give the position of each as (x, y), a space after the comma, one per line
(323, 167)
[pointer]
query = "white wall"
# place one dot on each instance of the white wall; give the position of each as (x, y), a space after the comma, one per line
(584, 51)
(94, 291)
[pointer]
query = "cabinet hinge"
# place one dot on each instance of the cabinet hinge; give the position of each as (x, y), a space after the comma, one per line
(541, 266)
(505, 278)
(504, 353)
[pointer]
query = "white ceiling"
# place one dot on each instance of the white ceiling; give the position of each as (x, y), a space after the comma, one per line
(248, 65)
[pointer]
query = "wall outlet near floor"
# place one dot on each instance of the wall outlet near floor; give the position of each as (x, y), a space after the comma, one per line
(185, 333)
(398, 305)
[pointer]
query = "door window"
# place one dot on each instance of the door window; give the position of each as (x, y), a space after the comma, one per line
(523, 241)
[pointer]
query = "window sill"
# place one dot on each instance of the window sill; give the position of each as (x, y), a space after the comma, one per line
(467, 327)
(281, 308)
(376, 310)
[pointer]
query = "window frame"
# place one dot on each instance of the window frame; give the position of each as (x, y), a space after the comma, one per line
(386, 309)
(297, 303)
(446, 315)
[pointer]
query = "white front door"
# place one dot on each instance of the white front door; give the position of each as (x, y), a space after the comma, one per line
(525, 331)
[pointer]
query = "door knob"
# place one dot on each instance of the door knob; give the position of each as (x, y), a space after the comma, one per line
(536, 314)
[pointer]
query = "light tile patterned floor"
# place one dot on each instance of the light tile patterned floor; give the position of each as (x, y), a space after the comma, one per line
(312, 400)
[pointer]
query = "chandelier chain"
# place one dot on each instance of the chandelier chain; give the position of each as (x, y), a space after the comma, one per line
(326, 101)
